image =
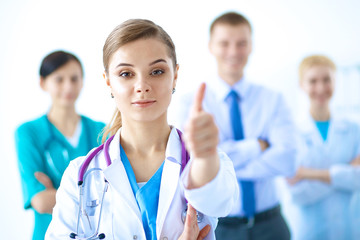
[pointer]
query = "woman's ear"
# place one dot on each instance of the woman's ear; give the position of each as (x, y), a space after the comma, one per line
(175, 75)
(42, 83)
(107, 81)
(106, 78)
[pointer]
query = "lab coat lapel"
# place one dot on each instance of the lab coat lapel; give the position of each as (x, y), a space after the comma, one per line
(336, 131)
(311, 132)
(117, 177)
(169, 178)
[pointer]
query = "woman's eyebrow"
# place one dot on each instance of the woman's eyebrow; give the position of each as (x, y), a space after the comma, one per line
(156, 61)
(130, 65)
(124, 64)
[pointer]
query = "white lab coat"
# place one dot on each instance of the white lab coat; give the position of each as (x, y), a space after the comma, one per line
(121, 218)
(321, 210)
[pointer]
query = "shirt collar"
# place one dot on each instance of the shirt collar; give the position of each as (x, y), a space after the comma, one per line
(221, 89)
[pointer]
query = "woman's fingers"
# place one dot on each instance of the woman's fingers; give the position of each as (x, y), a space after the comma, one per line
(191, 228)
(44, 180)
(204, 232)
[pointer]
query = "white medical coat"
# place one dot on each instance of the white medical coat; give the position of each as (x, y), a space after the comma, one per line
(121, 218)
(321, 210)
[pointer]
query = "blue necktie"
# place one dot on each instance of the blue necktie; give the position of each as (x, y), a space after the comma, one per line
(248, 194)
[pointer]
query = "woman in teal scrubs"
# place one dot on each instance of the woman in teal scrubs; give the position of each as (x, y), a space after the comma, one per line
(46, 145)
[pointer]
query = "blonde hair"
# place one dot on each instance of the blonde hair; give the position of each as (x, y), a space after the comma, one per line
(315, 60)
(130, 31)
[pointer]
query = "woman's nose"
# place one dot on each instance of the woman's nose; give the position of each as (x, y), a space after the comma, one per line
(142, 85)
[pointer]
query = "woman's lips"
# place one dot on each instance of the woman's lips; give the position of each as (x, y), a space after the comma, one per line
(143, 103)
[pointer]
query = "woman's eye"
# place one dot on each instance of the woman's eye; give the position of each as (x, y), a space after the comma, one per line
(74, 79)
(59, 80)
(125, 74)
(157, 72)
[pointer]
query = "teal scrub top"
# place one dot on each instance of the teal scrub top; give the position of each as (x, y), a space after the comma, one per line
(35, 141)
(147, 197)
(323, 128)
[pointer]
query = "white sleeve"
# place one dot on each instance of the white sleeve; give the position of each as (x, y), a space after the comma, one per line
(309, 191)
(345, 177)
(65, 212)
(216, 198)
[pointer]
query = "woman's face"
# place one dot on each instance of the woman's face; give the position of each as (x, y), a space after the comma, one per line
(141, 77)
(318, 83)
(64, 84)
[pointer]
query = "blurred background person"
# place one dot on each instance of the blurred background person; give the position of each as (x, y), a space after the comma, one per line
(256, 131)
(46, 145)
(328, 161)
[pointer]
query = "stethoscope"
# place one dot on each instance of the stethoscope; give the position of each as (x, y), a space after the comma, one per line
(83, 173)
(51, 164)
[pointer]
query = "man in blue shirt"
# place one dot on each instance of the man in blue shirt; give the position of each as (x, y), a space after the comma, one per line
(256, 131)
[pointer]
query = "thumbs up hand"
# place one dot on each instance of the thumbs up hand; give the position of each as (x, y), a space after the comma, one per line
(201, 138)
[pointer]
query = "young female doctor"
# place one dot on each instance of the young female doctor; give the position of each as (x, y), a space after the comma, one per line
(328, 172)
(46, 145)
(148, 192)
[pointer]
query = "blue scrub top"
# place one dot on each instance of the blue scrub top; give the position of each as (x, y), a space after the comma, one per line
(147, 197)
(32, 140)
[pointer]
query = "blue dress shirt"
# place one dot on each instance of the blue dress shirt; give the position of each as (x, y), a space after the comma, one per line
(265, 116)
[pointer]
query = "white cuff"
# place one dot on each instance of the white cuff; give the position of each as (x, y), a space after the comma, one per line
(217, 197)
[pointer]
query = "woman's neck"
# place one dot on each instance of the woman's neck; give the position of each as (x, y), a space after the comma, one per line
(145, 146)
(145, 138)
(321, 114)
(64, 119)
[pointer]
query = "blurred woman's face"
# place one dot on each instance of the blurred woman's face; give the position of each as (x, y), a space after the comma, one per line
(64, 84)
(318, 83)
(141, 77)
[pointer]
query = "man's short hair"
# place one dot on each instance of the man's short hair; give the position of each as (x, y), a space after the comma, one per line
(230, 18)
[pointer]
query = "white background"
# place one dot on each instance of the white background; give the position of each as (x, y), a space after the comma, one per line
(284, 33)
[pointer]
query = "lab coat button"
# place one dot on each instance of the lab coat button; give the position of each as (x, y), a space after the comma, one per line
(165, 238)
(135, 237)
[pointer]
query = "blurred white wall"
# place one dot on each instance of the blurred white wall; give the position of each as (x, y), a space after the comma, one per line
(284, 32)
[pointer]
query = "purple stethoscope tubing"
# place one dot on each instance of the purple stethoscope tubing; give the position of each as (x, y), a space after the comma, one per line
(88, 159)
(185, 157)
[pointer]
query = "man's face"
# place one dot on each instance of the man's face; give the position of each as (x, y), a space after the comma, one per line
(231, 45)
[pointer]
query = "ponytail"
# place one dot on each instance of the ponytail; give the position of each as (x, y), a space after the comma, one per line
(112, 127)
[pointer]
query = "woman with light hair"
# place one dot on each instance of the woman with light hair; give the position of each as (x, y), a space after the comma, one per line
(152, 188)
(328, 161)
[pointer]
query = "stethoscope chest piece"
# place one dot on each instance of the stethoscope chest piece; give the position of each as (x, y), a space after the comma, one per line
(199, 216)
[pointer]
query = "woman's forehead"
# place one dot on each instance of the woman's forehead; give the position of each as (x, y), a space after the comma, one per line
(140, 51)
